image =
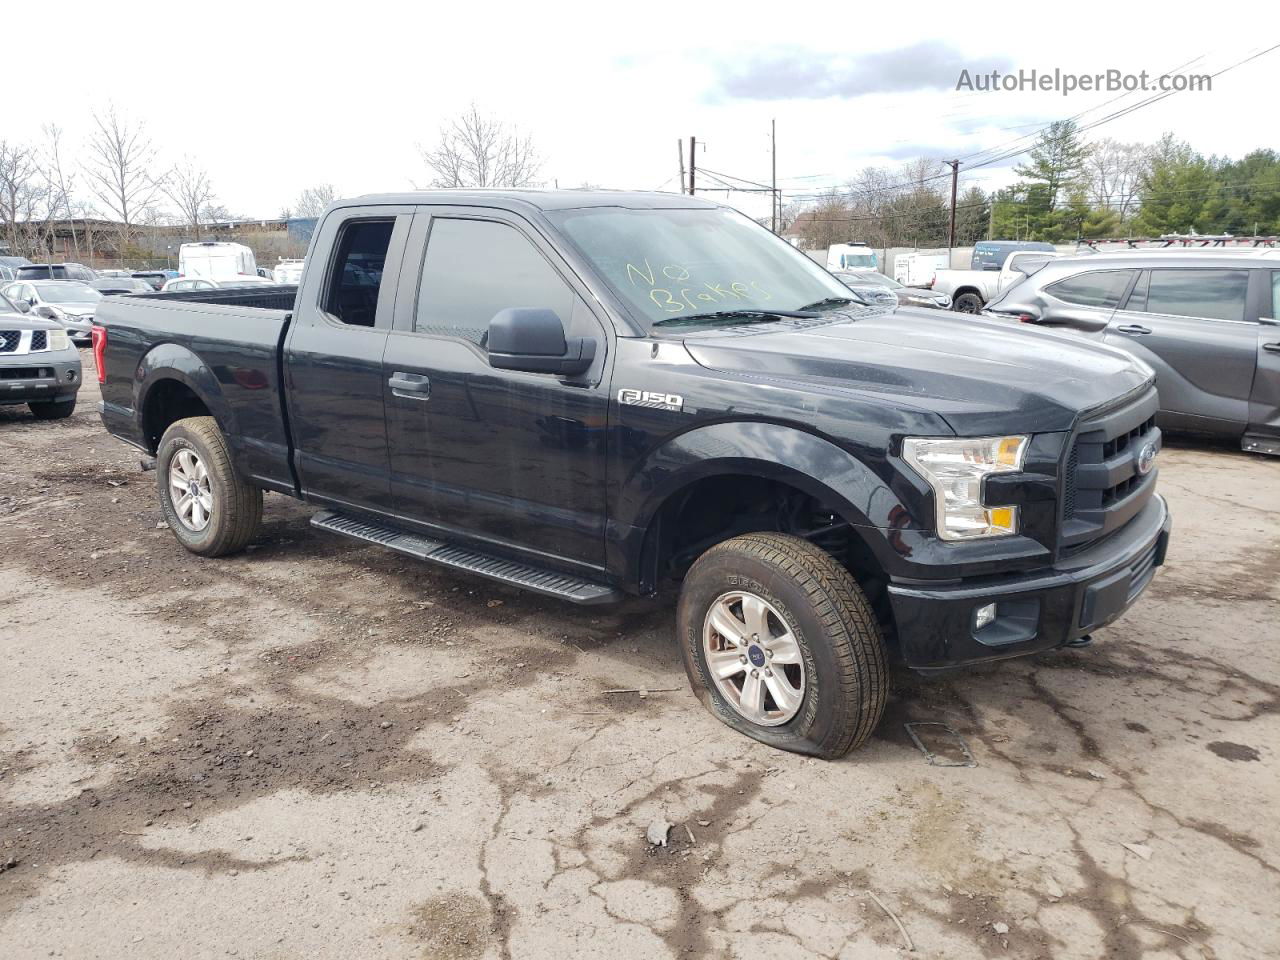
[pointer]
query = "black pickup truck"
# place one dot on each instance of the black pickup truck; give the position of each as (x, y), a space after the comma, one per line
(596, 394)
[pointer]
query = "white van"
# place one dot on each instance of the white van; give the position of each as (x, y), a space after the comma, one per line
(851, 256)
(918, 269)
(216, 261)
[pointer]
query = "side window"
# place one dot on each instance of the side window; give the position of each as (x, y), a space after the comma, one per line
(473, 269)
(351, 295)
(1214, 294)
(1101, 289)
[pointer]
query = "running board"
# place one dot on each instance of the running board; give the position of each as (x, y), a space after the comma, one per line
(1255, 443)
(560, 585)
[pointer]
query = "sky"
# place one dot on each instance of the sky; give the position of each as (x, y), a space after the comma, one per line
(283, 96)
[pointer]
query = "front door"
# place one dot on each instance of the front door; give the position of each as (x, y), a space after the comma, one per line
(515, 460)
(1190, 325)
(334, 359)
(1264, 401)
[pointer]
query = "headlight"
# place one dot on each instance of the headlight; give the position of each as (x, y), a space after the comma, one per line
(58, 340)
(955, 469)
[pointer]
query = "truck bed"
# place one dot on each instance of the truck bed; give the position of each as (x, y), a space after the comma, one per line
(225, 344)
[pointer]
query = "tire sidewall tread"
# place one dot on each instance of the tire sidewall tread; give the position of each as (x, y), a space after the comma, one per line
(237, 505)
(846, 673)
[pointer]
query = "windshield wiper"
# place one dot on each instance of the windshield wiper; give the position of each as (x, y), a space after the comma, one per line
(836, 302)
(754, 315)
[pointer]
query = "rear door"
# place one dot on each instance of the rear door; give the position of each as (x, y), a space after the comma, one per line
(510, 458)
(1264, 399)
(1083, 303)
(333, 358)
(1191, 325)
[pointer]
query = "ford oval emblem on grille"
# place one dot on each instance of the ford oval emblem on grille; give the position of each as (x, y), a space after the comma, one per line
(1146, 458)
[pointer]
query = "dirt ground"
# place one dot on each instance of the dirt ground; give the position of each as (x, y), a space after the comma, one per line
(317, 749)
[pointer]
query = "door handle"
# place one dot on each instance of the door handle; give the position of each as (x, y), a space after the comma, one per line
(1133, 328)
(411, 386)
(1271, 347)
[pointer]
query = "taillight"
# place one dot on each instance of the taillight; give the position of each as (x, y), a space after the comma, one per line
(99, 337)
(1026, 318)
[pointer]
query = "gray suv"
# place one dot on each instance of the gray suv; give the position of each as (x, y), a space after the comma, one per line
(1206, 323)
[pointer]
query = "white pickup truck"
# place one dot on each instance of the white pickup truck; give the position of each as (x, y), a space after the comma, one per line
(971, 289)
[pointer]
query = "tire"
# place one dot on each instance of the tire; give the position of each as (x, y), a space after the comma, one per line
(967, 303)
(836, 678)
(55, 410)
(228, 511)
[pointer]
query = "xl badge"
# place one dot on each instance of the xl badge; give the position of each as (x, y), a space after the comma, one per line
(651, 399)
(1146, 458)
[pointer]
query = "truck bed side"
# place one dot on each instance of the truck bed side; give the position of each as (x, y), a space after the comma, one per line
(214, 352)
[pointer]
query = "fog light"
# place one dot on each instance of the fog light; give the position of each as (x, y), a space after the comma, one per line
(984, 615)
(71, 374)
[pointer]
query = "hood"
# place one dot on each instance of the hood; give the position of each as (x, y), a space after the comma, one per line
(984, 377)
(25, 321)
(77, 308)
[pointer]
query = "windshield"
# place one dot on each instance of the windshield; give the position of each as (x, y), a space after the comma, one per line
(668, 264)
(67, 293)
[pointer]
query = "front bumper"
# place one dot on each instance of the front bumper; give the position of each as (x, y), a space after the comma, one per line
(39, 376)
(1040, 611)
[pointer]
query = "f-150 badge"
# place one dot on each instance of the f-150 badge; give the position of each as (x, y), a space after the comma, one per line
(651, 399)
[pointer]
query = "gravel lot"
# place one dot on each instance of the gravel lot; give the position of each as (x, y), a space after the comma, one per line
(316, 749)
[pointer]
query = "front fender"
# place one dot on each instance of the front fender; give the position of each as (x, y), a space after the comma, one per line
(859, 487)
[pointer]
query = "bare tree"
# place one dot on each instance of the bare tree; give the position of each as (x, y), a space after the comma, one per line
(61, 184)
(120, 169)
(24, 197)
(191, 191)
(1115, 173)
(313, 200)
(475, 150)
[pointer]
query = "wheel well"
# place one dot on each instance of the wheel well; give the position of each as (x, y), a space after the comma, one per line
(715, 509)
(168, 402)
(961, 291)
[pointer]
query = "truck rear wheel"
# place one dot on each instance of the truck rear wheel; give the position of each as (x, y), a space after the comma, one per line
(967, 303)
(211, 509)
(780, 643)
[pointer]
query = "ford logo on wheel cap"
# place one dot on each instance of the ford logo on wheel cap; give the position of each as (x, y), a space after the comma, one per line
(1146, 458)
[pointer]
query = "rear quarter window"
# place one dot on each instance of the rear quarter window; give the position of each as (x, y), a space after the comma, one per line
(1103, 288)
(1208, 294)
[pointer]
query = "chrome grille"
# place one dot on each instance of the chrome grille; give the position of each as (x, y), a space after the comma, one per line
(1103, 488)
(39, 340)
(9, 340)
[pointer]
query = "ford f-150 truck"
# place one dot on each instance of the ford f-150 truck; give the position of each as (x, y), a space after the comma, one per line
(598, 394)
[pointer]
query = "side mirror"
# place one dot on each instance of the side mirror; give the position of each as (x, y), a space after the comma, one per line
(533, 340)
(22, 305)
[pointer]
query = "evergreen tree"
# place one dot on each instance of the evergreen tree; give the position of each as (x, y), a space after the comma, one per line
(1056, 161)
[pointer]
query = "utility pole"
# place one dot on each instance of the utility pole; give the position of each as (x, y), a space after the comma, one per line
(693, 164)
(955, 179)
(680, 151)
(773, 149)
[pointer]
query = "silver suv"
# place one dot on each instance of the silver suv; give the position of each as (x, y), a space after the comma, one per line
(1206, 323)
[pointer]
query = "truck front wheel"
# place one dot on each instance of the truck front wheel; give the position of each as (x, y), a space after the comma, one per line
(780, 643)
(208, 505)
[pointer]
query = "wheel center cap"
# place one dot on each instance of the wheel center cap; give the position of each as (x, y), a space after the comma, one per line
(756, 655)
(193, 488)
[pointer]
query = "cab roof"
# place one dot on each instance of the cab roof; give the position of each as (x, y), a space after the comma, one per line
(544, 200)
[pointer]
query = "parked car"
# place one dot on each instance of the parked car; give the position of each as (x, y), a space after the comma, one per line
(156, 278)
(67, 302)
(114, 272)
(654, 389)
(211, 260)
(970, 290)
(9, 268)
(39, 366)
(178, 284)
(851, 256)
(1207, 325)
(126, 284)
(55, 271)
(878, 288)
